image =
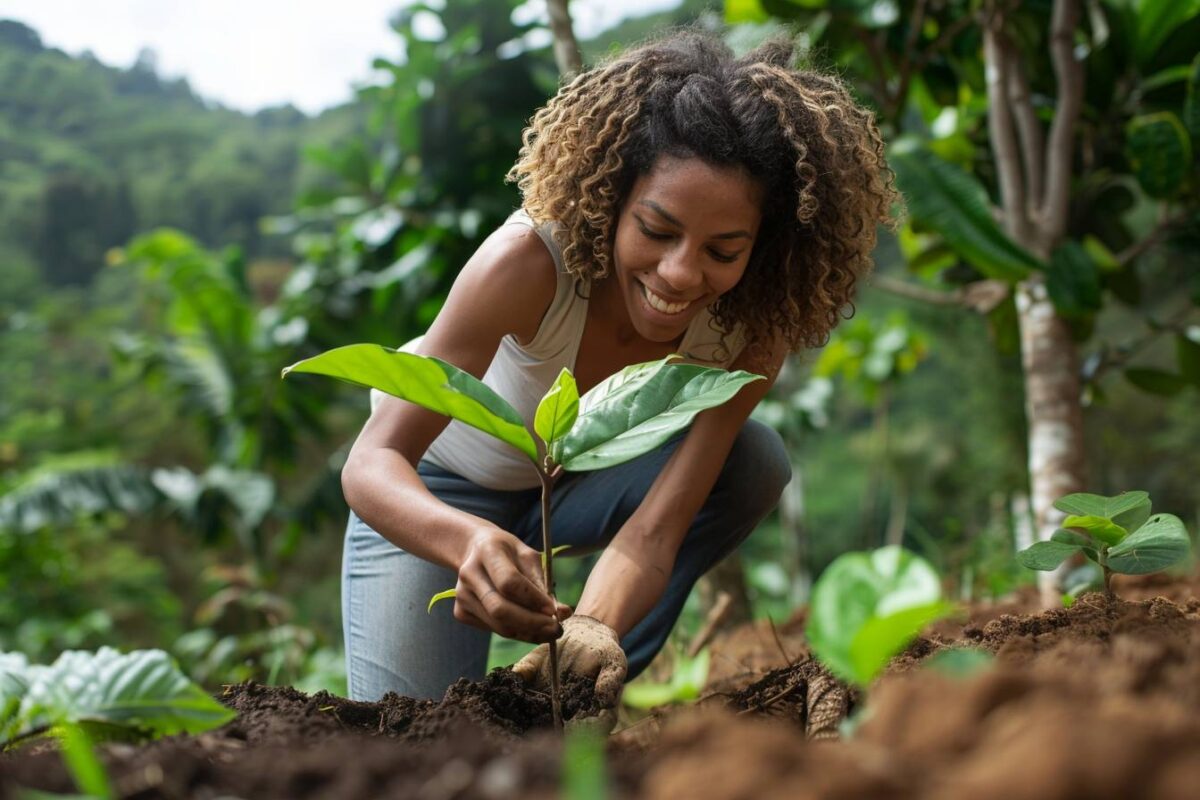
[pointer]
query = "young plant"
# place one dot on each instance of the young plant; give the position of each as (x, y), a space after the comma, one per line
(866, 607)
(624, 416)
(139, 695)
(1118, 533)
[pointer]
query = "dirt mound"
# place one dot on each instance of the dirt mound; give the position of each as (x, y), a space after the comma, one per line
(1101, 700)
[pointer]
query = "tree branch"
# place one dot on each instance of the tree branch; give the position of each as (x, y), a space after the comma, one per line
(1002, 133)
(906, 62)
(981, 296)
(1068, 73)
(1164, 224)
(1029, 129)
(566, 49)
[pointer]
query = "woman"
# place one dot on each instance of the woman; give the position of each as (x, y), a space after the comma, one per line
(675, 199)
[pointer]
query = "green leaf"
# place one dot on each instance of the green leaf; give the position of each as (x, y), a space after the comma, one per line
(584, 775)
(87, 771)
(446, 595)
(639, 408)
(1094, 505)
(867, 603)
(1191, 104)
(554, 551)
(143, 691)
(1101, 528)
(953, 203)
(1158, 544)
(687, 681)
(1160, 153)
(557, 410)
(1156, 381)
(960, 662)
(429, 382)
(1072, 281)
(1046, 556)
(738, 11)
(1187, 353)
(1156, 20)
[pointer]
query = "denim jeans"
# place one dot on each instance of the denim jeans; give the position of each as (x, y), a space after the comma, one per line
(392, 644)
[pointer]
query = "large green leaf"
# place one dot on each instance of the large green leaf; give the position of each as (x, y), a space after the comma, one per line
(1073, 281)
(1085, 543)
(945, 198)
(866, 606)
(428, 382)
(143, 691)
(1191, 103)
(1156, 20)
(557, 411)
(1158, 544)
(637, 410)
(1160, 153)
(1046, 555)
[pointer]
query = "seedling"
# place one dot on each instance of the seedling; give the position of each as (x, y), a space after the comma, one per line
(1118, 533)
(139, 695)
(623, 417)
(866, 608)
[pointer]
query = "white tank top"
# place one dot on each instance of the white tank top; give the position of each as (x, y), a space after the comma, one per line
(522, 374)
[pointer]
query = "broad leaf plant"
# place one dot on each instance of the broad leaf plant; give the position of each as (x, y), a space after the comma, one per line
(624, 416)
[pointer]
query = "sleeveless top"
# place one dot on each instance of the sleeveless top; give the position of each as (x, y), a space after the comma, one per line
(522, 374)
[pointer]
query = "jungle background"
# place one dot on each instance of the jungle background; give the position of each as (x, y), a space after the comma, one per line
(162, 258)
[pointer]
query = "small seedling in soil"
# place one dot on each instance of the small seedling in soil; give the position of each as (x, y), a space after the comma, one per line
(1118, 533)
(866, 608)
(624, 416)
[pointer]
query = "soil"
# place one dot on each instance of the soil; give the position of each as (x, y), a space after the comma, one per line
(1101, 700)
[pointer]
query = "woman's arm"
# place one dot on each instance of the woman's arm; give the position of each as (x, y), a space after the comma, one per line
(504, 289)
(633, 570)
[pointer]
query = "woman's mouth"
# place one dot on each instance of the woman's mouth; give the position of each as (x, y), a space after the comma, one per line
(660, 303)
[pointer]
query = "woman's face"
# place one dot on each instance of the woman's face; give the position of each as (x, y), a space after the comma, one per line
(683, 239)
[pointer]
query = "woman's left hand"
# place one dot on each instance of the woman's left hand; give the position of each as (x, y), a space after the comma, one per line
(588, 648)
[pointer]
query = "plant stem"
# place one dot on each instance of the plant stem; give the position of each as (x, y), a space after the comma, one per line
(549, 474)
(1108, 592)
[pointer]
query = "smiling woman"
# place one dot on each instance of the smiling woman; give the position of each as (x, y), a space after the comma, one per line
(675, 200)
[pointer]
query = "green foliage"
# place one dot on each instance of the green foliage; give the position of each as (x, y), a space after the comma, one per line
(1160, 153)
(1119, 533)
(89, 774)
(446, 595)
(142, 693)
(584, 776)
(866, 607)
(557, 412)
(687, 680)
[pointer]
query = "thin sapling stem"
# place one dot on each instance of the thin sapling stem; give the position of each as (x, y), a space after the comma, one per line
(550, 473)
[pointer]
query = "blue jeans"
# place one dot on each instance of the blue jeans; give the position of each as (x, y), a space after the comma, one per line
(392, 644)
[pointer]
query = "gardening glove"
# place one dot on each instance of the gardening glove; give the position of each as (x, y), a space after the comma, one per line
(590, 649)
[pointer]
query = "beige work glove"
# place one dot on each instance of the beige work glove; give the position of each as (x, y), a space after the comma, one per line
(590, 649)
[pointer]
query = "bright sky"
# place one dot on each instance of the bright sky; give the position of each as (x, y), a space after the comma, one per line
(248, 54)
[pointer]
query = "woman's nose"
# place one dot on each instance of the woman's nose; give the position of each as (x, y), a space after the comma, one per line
(680, 271)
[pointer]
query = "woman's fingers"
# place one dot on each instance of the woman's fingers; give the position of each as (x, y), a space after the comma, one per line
(509, 574)
(488, 604)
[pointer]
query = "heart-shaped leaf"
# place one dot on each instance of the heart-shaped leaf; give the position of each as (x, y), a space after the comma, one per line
(1113, 508)
(428, 382)
(1158, 544)
(1085, 543)
(1101, 528)
(637, 410)
(866, 606)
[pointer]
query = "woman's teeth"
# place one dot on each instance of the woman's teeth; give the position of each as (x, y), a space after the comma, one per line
(659, 304)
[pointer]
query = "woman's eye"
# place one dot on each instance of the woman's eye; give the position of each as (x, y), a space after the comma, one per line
(658, 237)
(724, 258)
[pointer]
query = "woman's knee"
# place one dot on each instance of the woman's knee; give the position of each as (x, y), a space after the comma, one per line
(758, 468)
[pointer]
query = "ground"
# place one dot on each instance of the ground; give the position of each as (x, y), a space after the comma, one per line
(1101, 700)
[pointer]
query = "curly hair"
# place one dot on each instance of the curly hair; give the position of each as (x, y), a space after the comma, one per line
(817, 153)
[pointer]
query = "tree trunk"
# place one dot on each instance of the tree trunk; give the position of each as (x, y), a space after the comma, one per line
(1053, 413)
(566, 49)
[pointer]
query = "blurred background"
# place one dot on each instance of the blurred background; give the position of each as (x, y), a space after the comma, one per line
(190, 201)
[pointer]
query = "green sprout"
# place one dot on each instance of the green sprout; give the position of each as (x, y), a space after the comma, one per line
(624, 416)
(866, 608)
(1118, 533)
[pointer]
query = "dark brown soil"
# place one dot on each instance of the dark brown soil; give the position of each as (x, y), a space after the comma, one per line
(1101, 700)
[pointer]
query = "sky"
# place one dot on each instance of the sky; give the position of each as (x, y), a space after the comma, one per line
(249, 54)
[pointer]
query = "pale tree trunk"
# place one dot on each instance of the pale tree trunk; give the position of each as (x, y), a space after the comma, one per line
(1035, 181)
(566, 49)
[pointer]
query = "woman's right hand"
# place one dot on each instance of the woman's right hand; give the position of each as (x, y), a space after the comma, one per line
(500, 588)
